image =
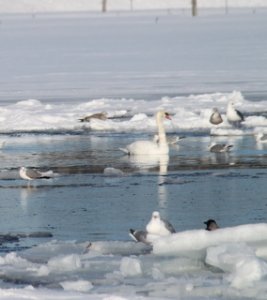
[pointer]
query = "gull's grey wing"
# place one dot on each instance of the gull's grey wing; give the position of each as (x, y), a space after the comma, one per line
(138, 235)
(34, 174)
(241, 116)
(169, 226)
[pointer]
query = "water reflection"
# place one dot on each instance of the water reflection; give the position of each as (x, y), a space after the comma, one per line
(150, 161)
(26, 192)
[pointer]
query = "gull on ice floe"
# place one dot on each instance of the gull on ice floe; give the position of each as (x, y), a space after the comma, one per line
(261, 137)
(215, 117)
(100, 116)
(211, 225)
(219, 148)
(234, 116)
(32, 174)
(156, 227)
(159, 226)
(147, 147)
(139, 236)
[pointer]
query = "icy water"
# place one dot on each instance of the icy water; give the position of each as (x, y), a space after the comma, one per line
(61, 68)
(83, 203)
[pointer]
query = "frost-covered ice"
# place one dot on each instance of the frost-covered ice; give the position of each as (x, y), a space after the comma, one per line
(225, 266)
(189, 113)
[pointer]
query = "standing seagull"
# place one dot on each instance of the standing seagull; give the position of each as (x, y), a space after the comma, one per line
(158, 226)
(211, 225)
(30, 174)
(215, 117)
(234, 116)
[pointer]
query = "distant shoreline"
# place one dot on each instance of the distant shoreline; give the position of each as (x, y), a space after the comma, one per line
(68, 6)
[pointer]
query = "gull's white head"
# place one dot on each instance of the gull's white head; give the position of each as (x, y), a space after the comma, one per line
(163, 115)
(22, 170)
(155, 215)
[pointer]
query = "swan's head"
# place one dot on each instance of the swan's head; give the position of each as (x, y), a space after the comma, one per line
(163, 114)
(155, 215)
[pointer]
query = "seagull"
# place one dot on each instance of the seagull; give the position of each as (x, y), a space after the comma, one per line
(31, 174)
(101, 116)
(171, 140)
(158, 226)
(261, 137)
(139, 236)
(234, 116)
(219, 148)
(211, 225)
(215, 117)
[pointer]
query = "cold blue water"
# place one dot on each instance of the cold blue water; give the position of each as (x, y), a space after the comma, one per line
(84, 203)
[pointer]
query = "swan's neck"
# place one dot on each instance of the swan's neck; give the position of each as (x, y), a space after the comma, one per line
(161, 131)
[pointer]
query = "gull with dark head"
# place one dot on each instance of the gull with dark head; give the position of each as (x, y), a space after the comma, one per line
(211, 225)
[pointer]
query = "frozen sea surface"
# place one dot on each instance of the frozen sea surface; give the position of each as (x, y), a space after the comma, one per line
(57, 69)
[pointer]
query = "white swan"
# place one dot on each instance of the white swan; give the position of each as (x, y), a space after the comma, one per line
(151, 147)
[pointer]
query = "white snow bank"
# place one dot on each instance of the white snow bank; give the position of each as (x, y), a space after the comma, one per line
(188, 113)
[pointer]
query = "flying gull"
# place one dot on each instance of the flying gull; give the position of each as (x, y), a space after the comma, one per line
(31, 174)
(215, 117)
(234, 116)
(211, 225)
(219, 148)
